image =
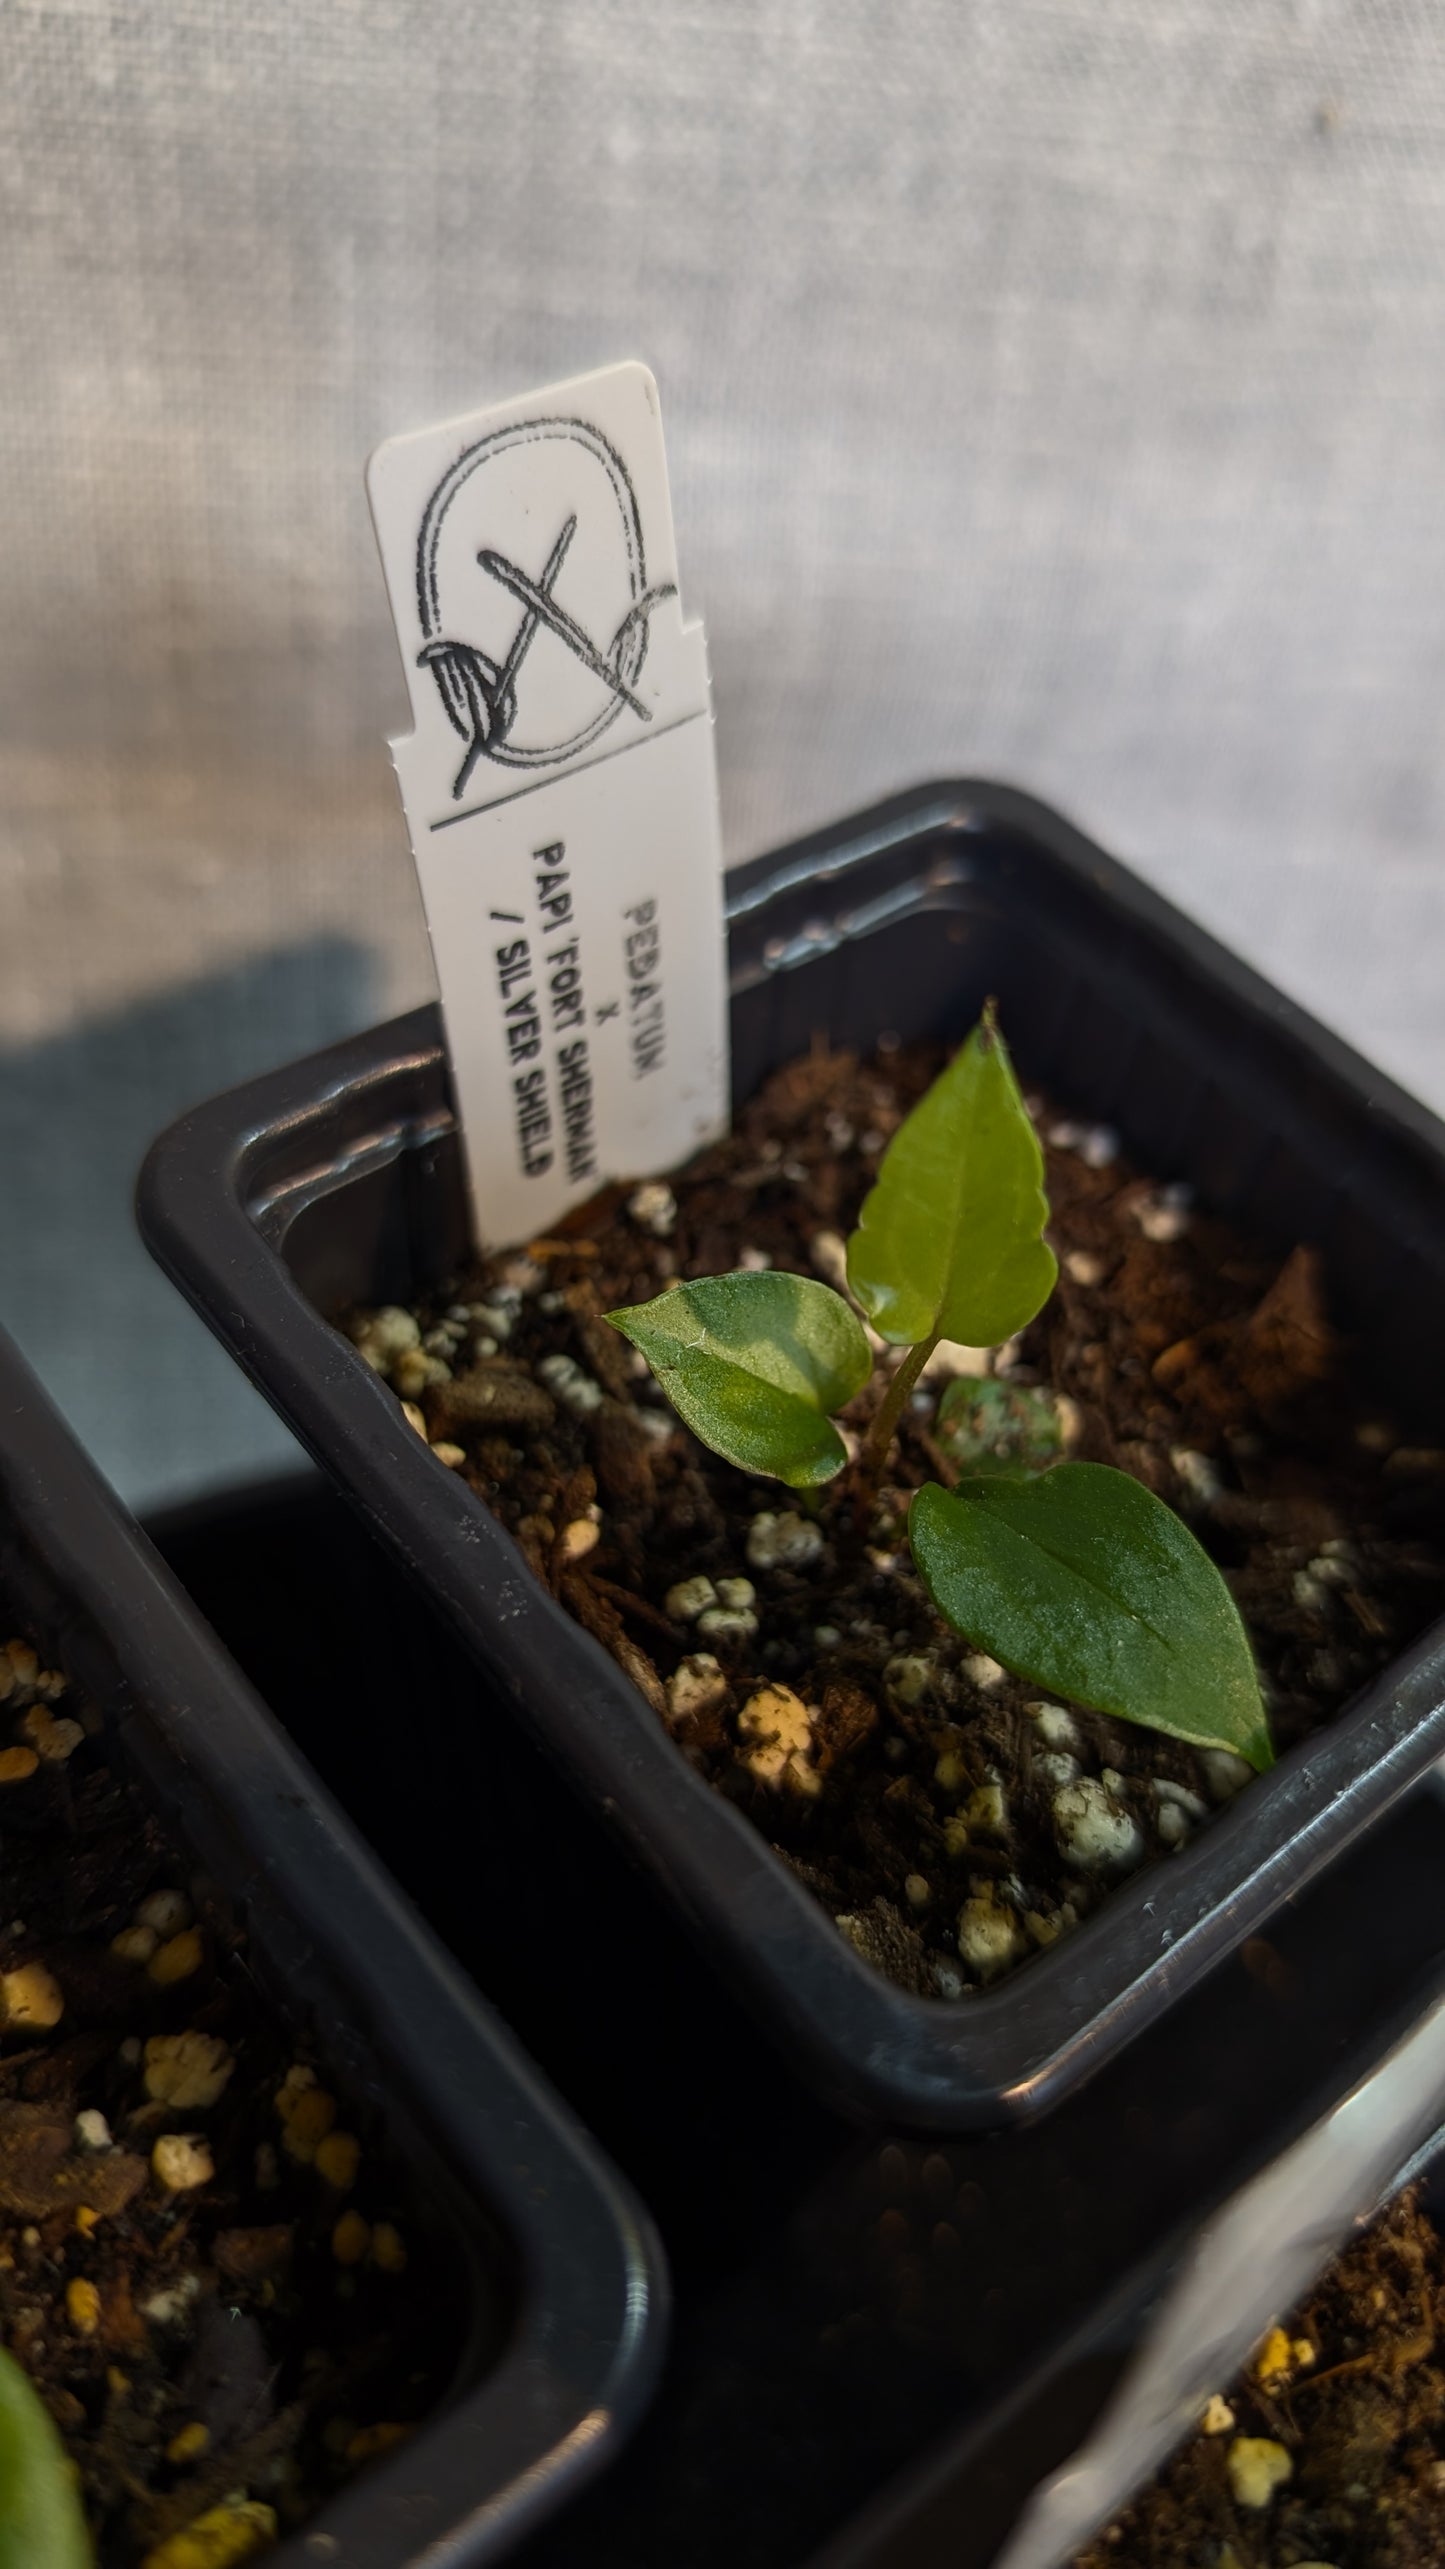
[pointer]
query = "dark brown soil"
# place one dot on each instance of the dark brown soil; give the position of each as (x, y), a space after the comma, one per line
(263, 2331)
(1358, 2406)
(946, 1818)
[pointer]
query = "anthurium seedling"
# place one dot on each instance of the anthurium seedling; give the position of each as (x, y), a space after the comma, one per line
(1072, 1575)
(42, 2524)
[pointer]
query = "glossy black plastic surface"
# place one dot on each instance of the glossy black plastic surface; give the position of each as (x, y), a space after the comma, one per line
(548, 2241)
(844, 2299)
(339, 1180)
(955, 2509)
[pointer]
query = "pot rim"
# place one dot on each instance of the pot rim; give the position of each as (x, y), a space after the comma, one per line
(217, 1198)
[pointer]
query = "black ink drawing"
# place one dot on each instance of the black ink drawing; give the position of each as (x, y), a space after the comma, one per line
(479, 693)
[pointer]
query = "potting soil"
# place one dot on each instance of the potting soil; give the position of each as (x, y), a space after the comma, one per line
(948, 1817)
(225, 2289)
(1330, 2449)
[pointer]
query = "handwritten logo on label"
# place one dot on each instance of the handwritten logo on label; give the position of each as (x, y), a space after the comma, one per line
(535, 652)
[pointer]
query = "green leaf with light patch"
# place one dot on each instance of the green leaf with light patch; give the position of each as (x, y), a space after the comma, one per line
(950, 1240)
(1084, 1582)
(753, 1364)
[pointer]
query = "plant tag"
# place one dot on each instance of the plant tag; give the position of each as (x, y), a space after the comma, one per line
(561, 791)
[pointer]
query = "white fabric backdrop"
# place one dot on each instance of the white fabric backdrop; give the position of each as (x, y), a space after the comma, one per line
(1054, 388)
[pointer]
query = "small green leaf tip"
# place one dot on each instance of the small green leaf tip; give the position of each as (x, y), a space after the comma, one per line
(950, 1240)
(753, 1364)
(42, 2523)
(1084, 1582)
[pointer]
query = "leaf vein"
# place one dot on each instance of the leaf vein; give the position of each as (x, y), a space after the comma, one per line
(1084, 1577)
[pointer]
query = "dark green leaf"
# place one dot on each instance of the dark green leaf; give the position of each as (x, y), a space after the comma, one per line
(949, 1242)
(1086, 1583)
(754, 1363)
(984, 1425)
(42, 2525)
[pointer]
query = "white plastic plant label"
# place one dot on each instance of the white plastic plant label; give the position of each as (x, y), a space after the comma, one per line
(560, 790)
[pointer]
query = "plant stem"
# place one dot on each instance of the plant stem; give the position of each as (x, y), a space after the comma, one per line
(873, 1452)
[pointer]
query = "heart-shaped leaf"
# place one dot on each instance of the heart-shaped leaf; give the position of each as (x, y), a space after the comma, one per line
(1086, 1583)
(754, 1364)
(949, 1242)
(42, 2525)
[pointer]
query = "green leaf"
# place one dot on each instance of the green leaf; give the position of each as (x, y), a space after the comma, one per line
(984, 1425)
(41, 2519)
(1086, 1583)
(949, 1241)
(754, 1363)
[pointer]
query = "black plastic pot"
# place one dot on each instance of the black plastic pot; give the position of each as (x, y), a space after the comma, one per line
(545, 2233)
(340, 1181)
(959, 2506)
(873, 2290)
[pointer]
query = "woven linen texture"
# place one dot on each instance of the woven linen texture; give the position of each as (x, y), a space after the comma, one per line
(1055, 389)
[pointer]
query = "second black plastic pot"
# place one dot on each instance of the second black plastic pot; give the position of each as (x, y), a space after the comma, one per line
(1033, 2480)
(339, 1181)
(559, 2277)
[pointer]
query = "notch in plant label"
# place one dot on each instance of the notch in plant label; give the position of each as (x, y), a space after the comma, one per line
(560, 790)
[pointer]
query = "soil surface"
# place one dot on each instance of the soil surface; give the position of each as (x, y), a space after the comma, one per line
(1347, 2402)
(225, 2290)
(949, 1819)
